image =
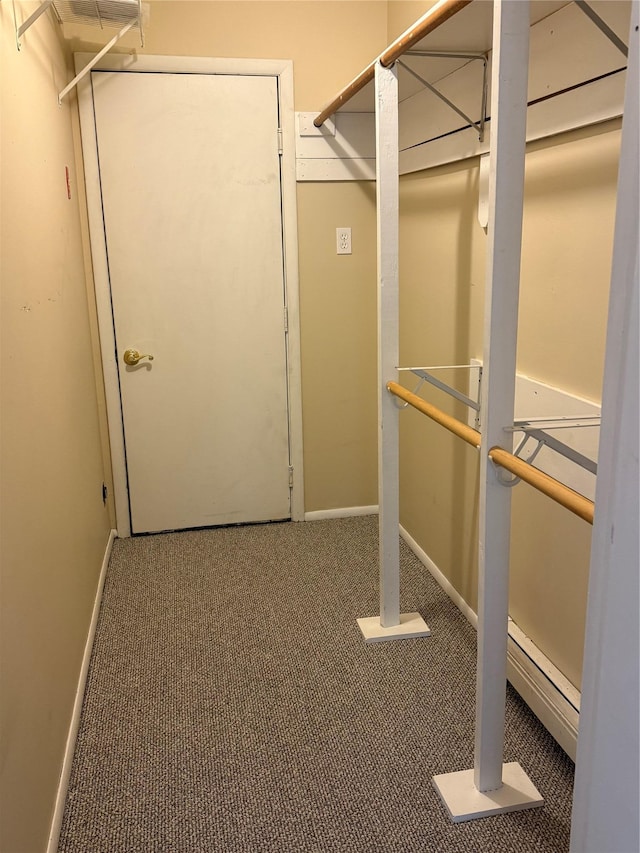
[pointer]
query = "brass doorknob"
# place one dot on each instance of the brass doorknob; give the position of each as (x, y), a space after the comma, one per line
(132, 357)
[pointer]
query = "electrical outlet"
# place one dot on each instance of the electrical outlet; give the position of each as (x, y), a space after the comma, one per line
(343, 241)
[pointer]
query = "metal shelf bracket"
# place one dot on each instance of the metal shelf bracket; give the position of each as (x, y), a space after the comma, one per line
(602, 26)
(478, 125)
(87, 68)
(21, 30)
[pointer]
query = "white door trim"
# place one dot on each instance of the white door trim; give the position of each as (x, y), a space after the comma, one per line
(283, 70)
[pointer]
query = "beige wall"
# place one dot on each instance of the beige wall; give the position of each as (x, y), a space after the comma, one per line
(339, 340)
(324, 55)
(567, 243)
(441, 277)
(54, 528)
(401, 14)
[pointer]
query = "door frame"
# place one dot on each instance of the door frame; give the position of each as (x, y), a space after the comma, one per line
(283, 70)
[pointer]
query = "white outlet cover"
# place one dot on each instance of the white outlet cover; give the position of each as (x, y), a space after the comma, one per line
(343, 241)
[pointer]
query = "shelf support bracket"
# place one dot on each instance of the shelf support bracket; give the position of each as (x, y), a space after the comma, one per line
(602, 26)
(21, 30)
(87, 68)
(478, 125)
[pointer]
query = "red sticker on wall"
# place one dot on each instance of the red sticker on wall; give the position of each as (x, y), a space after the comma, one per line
(66, 172)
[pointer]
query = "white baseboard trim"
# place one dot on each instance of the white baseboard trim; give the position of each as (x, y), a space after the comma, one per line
(554, 701)
(344, 512)
(439, 578)
(65, 773)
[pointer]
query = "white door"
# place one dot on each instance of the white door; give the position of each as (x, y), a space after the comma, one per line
(190, 182)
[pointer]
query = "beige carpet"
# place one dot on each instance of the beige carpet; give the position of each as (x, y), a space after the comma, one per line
(233, 706)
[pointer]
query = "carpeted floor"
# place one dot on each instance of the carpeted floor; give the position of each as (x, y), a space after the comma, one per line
(232, 705)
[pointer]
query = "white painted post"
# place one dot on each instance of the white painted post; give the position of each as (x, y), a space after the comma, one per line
(388, 189)
(391, 624)
(493, 787)
(506, 197)
(607, 790)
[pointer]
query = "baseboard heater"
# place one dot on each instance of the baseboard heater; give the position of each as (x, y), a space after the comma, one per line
(551, 697)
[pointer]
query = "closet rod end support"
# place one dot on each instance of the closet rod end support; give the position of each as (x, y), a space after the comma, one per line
(465, 802)
(410, 625)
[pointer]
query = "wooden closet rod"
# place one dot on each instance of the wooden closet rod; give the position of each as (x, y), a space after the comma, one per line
(554, 489)
(466, 433)
(346, 94)
(549, 486)
(436, 16)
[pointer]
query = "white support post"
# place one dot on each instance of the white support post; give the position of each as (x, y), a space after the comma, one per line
(492, 787)
(607, 781)
(391, 624)
(388, 204)
(506, 199)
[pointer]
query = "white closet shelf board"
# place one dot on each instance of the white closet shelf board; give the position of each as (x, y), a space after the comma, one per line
(576, 79)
